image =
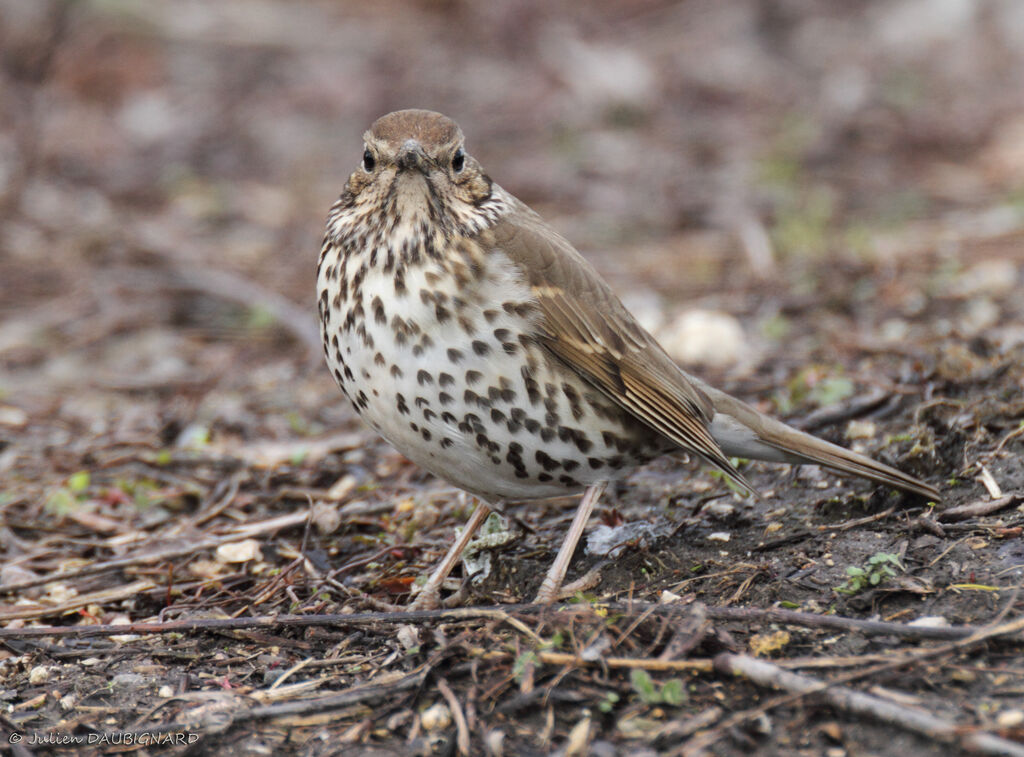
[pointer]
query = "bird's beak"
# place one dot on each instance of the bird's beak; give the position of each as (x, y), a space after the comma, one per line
(412, 156)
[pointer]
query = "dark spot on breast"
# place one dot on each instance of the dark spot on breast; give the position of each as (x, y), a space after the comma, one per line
(423, 378)
(445, 399)
(595, 462)
(422, 402)
(569, 464)
(425, 434)
(445, 379)
(396, 371)
(448, 417)
(378, 359)
(497, 416)
(547, 462)
(403, 409)
(568, 481)
(446, 443)
(502, 335)
(441, 313)
(480, 348)
(490, 315)
(378, 311)
(455, 355)
(473, 376)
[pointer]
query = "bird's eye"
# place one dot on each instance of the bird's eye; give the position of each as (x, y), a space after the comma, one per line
(369, 162)
(458, 160)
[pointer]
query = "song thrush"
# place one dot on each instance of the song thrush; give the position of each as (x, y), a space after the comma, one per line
(477, 340)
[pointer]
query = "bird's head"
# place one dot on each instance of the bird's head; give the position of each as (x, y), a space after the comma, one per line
(415, 165)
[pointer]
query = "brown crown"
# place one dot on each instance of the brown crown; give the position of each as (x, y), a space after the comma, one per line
(425, 126)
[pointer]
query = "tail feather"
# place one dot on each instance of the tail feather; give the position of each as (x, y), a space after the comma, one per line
(743, 431)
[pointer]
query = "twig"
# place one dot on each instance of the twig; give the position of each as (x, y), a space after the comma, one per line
(767, 674)
(97, 597)
(369, 619)
(989, 482)
(980, 507)
(856, 406)
(858, 522)
(629, 663)
(461, 729)
(145, 558)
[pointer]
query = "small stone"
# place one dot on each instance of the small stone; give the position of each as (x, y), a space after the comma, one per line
(495, 742)
(326, 517)
(239, 551)
(859, 429)
(437, 717)
(1010, 719)
(722, 536)
(668, 597)
(39, 674)
(930, 621)
(408, 636)
(704, 337)
(342, 488)
(165, 692)
(992, 277)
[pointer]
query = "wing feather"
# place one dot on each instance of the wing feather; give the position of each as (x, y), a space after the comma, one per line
(585, 325)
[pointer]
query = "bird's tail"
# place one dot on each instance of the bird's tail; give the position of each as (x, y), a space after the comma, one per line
(742, 431)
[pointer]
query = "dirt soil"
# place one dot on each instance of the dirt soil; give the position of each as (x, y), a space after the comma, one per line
(818, 207)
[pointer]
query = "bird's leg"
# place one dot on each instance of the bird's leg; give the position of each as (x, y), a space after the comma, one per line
(556, 574)
(429, 597)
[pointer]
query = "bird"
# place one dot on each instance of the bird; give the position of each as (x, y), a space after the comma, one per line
(483, 346)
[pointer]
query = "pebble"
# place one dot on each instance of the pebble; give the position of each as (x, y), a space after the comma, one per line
(704, 337)
(437, 717)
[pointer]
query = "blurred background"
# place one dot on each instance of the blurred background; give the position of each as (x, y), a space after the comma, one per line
(769, 184)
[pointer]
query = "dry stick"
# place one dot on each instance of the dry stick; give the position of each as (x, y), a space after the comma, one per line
(766, 674)
(790, 617)
(179, 550)
(461, 729)
(31, 612)
(995, 629)
(355, 695)
(981, 507)
(142, 558)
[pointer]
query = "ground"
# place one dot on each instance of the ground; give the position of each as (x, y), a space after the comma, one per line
(831, 192)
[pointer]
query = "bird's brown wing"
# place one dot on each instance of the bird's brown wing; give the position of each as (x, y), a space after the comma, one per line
(585, 325)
